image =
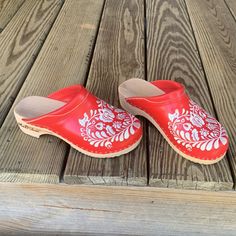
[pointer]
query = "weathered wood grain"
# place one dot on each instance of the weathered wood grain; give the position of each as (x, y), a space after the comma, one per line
(232, 7)
(41, 209)
(8, 8)
(62, 61)
(172, 54)
(215, 32)
(118, 55)
(19, 44)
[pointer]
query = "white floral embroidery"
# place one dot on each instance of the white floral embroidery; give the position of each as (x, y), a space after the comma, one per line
(211, 126)
(187, 126)
(195, 135)
(117, 124)
(121, 116)
(99, 126)
(107, 124)
(106, 115)
(204, 133)
(196, 128)
(196, 120)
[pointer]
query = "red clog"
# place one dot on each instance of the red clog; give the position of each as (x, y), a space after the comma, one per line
(66, 94)
(86, 122)
(187, 127)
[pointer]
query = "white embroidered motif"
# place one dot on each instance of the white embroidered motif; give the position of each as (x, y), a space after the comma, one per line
(196, 128)
(106, 124)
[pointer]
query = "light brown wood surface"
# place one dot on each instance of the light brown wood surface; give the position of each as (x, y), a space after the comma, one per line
(231, 4)
(20, 43)
(47, 45)
(8, 9)
(172, 55)
(215, 32)
(118, 56)
(26, 159)
(41, 209)
(101, 44)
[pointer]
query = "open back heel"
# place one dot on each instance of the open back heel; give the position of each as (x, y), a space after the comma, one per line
(134, 88)
(28, 129)
(126, 106)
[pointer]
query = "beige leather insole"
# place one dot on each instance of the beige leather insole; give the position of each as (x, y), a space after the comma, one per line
(34, 106)
(139, 88)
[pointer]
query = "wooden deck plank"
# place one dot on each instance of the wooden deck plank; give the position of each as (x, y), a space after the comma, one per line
(20, 42)
(232, 7)
(98, 210)
(62, 61)
(8, 8)
(118, 55)
(215, 32)
(172, 54)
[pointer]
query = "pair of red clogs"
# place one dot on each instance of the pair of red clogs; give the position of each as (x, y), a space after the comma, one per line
(101, 130)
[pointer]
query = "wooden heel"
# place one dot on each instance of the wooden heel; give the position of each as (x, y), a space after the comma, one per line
(30, 130)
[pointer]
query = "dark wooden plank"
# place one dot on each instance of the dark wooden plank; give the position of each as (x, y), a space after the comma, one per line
(172, 54)
(62, 210)
(119, 55)
(8, 8)
(215, 31)
(20, 42)
(62, 61)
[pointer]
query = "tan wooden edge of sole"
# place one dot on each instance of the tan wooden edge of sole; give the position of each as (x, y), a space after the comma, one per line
(136, 111)
(36, 132)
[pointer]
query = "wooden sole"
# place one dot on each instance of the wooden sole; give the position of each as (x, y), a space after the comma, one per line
(136, 111)
(36, 132)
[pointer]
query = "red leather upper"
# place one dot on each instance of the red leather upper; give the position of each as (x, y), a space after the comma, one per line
(66, 94)
(188, 126)
(89, 122)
